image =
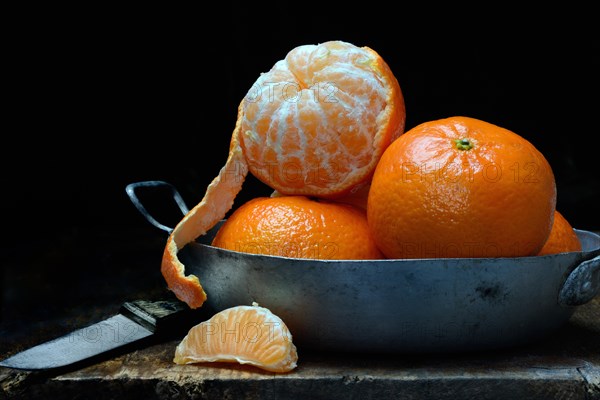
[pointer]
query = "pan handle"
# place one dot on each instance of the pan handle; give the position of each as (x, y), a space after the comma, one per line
(132, 187)
(582, 284)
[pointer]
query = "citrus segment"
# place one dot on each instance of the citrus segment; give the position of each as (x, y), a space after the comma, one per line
(242, 334)
(298, 227)
(562, 237)
(461, 187)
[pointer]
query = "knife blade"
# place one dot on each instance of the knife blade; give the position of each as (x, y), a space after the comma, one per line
(136, 322)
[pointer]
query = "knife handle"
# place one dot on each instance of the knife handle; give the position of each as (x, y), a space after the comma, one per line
(162, 316)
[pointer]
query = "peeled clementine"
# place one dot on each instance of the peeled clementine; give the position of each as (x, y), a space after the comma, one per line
(318, 121)
(250, 335)
(315, 124)
(562, 237)
(298, 227)
(461, 187)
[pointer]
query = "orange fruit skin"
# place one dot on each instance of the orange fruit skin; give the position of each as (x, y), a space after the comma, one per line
(298, 227)
(562, 237)
(317, 123)
(356, 197)
(429, 198)
(217, 200)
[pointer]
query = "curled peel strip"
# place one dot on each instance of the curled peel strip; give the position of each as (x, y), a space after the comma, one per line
(215, 204)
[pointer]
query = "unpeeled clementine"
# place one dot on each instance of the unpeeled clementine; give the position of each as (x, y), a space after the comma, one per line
(461, 187)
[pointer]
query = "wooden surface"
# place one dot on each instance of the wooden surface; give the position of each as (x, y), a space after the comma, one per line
(565, 365)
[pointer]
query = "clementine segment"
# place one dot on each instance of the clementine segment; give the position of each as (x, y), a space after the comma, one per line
(250, 335)
(562, 237)
(461, 187)
(315, 124)
(298, 227)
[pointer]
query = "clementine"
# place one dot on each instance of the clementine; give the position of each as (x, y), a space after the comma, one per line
(562, 237)
(250, 335)
(356, 197)
(461, 187)
(315, 124)
(299, 227)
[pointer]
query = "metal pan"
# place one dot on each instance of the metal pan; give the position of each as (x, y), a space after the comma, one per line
(415, 306)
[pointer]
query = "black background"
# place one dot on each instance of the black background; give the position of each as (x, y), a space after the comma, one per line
(107, 97)
(99, 98)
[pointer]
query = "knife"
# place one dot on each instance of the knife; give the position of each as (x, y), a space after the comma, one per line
(138, 323)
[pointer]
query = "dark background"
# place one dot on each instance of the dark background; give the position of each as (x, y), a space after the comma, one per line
(99, 98)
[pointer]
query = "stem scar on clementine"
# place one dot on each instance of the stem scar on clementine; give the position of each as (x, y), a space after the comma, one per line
(316, 124)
